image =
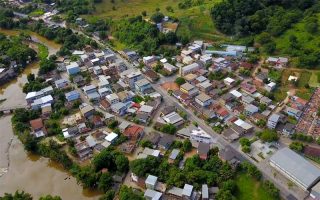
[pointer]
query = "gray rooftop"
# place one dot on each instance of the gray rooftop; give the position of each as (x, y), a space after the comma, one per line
(174, 154)
(152, 194)
(151, 180)
(296, 167)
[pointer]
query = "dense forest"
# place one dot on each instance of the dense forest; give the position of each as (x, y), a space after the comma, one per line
(254, 16)
(13, 49)
(266, 24)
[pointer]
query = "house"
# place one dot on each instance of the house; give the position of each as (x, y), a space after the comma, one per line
(119, 108)
(123, 126)
(112, 98)
(152, 195)
(96, 121)
(89, 89)
(165, 142)
(182, 194)
(265, 100)
(203, 150)
(173, 155)
(246, 99)
(204, 100)
(250, 109)
(87, 110)
(222, 113)
(151, 182)
(134, 132)
(72, 95)
(149, 59)
(205, 86)
(236, 94)
(91, 141)
(270, 86)
(46, 110)
(73, 68)
(111, 137)
(70, 132)
(148, 152)
(248, 88)
(273, 121)
(173, 118)
(142, 85)
(131, 76)
(189, 89)
(125, 96)
(38, 103)
(288, 129)
(293, 112)
(103, 92)
(192, 68)
(170, 68)
(151, 75)
(37, 128)
(97, 70)
(83, 150)
(229, 81)
(61, 83)
(167, 110)
(227, 98)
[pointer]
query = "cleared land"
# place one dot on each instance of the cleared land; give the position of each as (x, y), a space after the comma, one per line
(195, 21)
(250, 189)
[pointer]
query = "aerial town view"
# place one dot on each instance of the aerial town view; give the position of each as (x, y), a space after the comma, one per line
(159, 99)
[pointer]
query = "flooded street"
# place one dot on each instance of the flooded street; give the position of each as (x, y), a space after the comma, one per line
(12, 91)
(20, 171)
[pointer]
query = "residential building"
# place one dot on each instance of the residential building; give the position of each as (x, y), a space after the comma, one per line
(72, 95)
(189, 89)
(192, 68)
(273, 121)
(152, 195)
(170, 68)
(73, 68)
(173, 155)
(288, 129)
(165, 142)
(61, 83)
(203, 150)
(38, 103)
(86, 110)
(173, 118)
(112, 98)
(151, 182)
(204, 100)
(134, 132)
(229, 81)
(250, 109)
(37, 127)
(119, 108)
(142, 85)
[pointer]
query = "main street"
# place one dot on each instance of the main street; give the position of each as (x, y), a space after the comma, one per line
(263, 166)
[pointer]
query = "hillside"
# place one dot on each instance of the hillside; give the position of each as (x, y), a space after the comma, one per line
(194, 15)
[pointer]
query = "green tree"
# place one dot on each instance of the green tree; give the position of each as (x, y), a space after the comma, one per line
(187, 145)
(128, 193)
(268, 135)
(109, 195)
(49, 197)
(17, 196)
(180, 81)
(105, 182)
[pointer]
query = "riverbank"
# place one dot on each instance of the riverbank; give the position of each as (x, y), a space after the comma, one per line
(12, 90)
(34, 174)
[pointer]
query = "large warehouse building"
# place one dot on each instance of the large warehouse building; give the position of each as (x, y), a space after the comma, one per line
(296, 168)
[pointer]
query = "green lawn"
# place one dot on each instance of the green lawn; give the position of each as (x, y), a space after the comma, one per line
(304, 78)
(195, 21)
(250, 189)
(43, 51)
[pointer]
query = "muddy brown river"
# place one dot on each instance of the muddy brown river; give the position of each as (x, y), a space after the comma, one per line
(20, 171)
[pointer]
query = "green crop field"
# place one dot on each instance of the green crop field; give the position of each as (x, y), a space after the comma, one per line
(196, 21)
(250, 189)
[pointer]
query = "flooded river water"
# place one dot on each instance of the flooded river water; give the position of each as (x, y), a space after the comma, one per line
(20, 171)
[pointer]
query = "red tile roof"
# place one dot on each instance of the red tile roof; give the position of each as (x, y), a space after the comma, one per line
(36, 124)
(133, 131)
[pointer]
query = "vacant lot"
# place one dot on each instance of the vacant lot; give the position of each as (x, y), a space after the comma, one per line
(250, 189)
(195, 21)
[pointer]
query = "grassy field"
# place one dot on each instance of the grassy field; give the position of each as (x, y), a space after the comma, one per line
(250, 189)
(196, 21)
(304, 38)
